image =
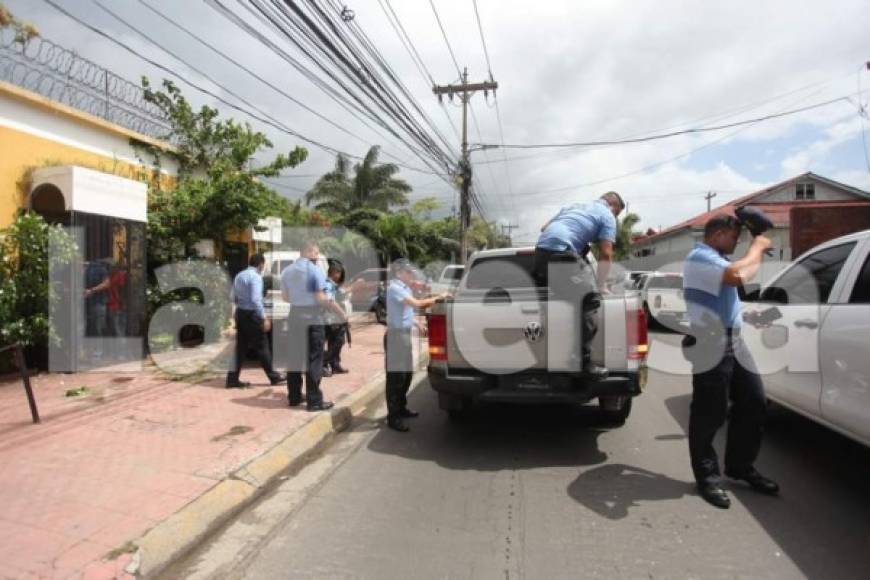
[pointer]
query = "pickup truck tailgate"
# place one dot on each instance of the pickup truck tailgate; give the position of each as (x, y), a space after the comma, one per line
(528, 333)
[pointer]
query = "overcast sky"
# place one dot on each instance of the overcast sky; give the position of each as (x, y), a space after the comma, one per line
(567, 71)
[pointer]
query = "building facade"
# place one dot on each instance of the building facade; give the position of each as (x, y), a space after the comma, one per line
(67, 129)
(665, 250)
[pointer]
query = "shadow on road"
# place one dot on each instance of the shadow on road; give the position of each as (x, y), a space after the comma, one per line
(822, 517)
(497, 436)
(610, 490)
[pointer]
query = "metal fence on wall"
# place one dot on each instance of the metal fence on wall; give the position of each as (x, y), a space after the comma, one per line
(60, 74)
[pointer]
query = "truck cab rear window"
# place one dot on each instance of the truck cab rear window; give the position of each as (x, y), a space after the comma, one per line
(501, 272)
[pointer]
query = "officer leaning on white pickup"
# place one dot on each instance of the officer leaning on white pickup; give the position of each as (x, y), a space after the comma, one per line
(722, 367)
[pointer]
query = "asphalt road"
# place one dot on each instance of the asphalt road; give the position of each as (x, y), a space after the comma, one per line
(552, 493)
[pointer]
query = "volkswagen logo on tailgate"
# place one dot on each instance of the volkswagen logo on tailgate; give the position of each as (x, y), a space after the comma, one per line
(534, 331)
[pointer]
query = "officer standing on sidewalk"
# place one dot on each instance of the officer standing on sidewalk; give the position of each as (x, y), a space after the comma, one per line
(397, 342)
(303, 285)
(722, 366)
(251, 323)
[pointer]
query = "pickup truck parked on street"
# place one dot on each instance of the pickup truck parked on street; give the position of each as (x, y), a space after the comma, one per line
(823, 331)
(449, 278)
(663, 302)
(500, 338)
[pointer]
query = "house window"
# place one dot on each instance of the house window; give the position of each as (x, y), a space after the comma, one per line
(805, 191)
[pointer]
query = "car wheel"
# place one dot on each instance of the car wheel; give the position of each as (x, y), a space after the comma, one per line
(651, 321)
(380, 313)
(615, 409)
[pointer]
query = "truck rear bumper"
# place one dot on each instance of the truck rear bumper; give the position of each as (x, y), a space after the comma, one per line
(534, 389)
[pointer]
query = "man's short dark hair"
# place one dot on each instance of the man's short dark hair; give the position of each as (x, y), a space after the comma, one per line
(720, 222)
(256, 260)
(613, 197)
(402, 265)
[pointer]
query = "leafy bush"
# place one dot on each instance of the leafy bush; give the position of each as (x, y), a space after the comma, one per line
(24, 283)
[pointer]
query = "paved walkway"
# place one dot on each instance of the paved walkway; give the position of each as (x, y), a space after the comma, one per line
(106, 466)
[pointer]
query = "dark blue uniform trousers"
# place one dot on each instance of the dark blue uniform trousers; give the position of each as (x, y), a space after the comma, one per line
(712, 389)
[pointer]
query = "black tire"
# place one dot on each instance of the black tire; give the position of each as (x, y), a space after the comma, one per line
(380, 313)
(651, 321)
(615, 410)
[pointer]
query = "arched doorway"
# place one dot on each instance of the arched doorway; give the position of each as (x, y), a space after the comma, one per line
(47, 200)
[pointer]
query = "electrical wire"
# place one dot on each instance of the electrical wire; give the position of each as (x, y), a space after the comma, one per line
(672, 133)
(266, 121)
(244, 68)
(415, 55)
(311, 39)
(862, 112)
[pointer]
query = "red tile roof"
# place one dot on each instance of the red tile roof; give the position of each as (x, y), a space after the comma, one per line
(777, 211)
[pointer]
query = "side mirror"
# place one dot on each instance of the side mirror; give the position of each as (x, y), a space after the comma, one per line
(749, 292)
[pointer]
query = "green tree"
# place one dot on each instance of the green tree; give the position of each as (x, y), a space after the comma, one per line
(24, 31)
(372, 185)
(218, 190)
(624, 231)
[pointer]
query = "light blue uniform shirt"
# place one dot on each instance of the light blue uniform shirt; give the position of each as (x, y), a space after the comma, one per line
(248, 290)
(301, 281)
(331, 289)
(704, 290)
(399, 314)
(577, 225)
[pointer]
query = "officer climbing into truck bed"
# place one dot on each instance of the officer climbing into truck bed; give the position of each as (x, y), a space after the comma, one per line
(563, 242)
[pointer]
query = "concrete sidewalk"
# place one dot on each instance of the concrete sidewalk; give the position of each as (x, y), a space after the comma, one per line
(143, 455)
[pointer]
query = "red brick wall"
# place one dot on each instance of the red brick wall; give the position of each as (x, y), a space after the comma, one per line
(811, 226)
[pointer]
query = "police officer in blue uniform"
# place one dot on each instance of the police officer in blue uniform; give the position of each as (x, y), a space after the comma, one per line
(397, 342)
(303, 285)
(564, 241)
(251, 323)
(722, 367)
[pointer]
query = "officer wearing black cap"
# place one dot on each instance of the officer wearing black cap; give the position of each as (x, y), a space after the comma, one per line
(722, 367)
(397, 342)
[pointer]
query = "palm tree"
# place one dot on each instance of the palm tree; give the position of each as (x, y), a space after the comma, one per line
(372, 186)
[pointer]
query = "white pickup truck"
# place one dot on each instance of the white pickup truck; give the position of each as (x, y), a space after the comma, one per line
(500, 338)
(815, 359)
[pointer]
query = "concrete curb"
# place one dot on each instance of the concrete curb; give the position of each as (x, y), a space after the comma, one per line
(173, 538)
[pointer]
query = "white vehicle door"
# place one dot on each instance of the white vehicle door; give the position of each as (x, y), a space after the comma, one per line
(787, 353)
(846, 354)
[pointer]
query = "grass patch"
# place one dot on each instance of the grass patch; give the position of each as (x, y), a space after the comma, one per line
(77, 392)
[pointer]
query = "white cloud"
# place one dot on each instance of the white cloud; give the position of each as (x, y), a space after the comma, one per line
(567, 71)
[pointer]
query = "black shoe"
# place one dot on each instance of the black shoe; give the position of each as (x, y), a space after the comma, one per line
(715, 495)
(295, 400)
(339, 370)
(398, 425)
(409, 414)
(239, 385)
(321, 406)
(757, 481)
(278, 380)
(595, 371)
(327, 372)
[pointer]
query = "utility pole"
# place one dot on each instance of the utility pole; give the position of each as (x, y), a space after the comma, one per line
(510, 230)
(464, 90)
(710, 195)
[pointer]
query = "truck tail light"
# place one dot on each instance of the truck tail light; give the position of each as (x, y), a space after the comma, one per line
(437, 336)
(636, 338)
(658, 301)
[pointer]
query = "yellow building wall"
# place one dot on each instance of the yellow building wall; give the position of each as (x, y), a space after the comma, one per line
(22, 152)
